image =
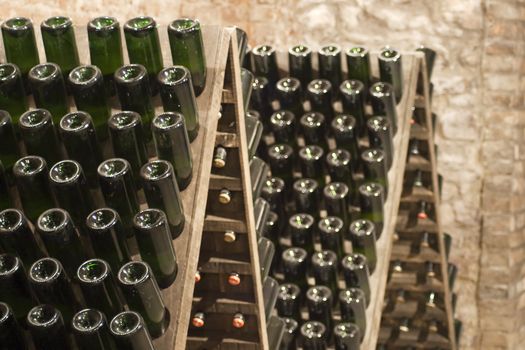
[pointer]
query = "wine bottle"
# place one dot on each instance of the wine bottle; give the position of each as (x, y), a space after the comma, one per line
(99, 287)
(314, 335)
(283, 126)
(17, 237)
(300, 63)
(270, 294)
(338, 164)
(331, 234)
(260, 99)
(289, 301)
(242, 45)
(312, 164)
(177, 94)
(130, 332)
(307, 197)
(172, 144)
(313, 127)
(336, 200)
(319, 300)
(324, 268)
(383, 101)
(187, 49)
(380, 136)
(344, 129)
(39, 135)
(375, 167)
(291, 328)
(372, 201)
(254, 130)
(356, 273)
(52, 286)
(246, 87)
(295, 265)
(264, 63)
(261, 210)
(353, 307)
(108, 237)
(329, 57)
(347, 336)
(143, 295)
(320, 94)
(290, 95)
(281, 159)
(353, 99)
(430, 58)
(162, 192)
(9, 152)
(105, 48)
(47, 328)
(358, 64)
(266, 251)
(258, 175)
(301, 231)
(274, 191)
(154, 241)
(60, 44)
(362, 234)
(118, 187)
(90, 328)
(11, 334)
(12, 92)
(80, 140)
(391, 70)
(6, 199)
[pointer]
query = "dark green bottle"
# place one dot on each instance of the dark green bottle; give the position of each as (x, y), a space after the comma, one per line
(162, 192)
(90, 328)
(154, 240)
(330, 67)
(336, 200)
(51, 285)
(11, 334)
(347, 336)
(15, 288)
(108, 237)
(258, 175)
(324, 268)
(358, 64)
(375, 167)
(49, 89)
(295, 266)
(289, 301)
(362, 234)
(353, 97)
(69, 185)
(311, 160)
(142, 41)
(31, 178)
(344, 129)
(338, 163)
(260, 100)
(274, 191)
(353, 307)
(356, 273)
(60, 44)
(177, 95)
(9, 151)
(172, 144)
(61, 239)
(40, 135)
(281, 159)
(143, 295)
(430, 58)
(391, 70)
(130, 332)
(12, 92)
(314, 335)
(300, 63)
(6, 199)
(319, 301)
(307, 197)
(319, 93)
(380, 136)
(99, 287)
(105, 48)
(87, 85)
(264, 64)
(127, 139)
(261, 210)
(20, 44)
(331, 234)
(119, 190)
(313, 127)
(291, 328)
(302, 231)
(17, 237)
(284, 128)
(290, 95)
(383, 102)
(372, 201)
(254, 130)
(133, 89)
(81, 143)
(47, 328)
(187, 49)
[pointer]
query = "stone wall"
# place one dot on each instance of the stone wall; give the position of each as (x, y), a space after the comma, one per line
(477, 97)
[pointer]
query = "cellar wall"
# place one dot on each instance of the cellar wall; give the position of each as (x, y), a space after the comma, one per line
(478, 97)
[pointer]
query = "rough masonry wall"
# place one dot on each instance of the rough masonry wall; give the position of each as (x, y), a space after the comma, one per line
(477, 97)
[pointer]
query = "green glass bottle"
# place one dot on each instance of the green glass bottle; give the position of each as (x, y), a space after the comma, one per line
(69, 185)
(11, 334)
(300, 63)
(127, 139)
(372, 200)
(90, 328)
(12, 93)
(391, 70)
(187, 49)
(307, 197)
(383, 100)
(162, 192)
(336, 200)
(260, 99)
(295, 266)
(320, 95)
(330, 67)
(264, 64)
(99, 287)
(246, 87)
(289, 301)
(353, 307)
(331, 234)
(31, 178)
(338, 163)
(344, 129)
(47, 328)
(52, 285)
(108, 237)
(119, 189)
(15, 288)
(172, 144)
(60, 44)
(358, 64)
(356, 273)
(130, 332)
(40, 136)
(353, 100)
(362, 234)
(142, 41)
(311, 160)
(302, 231)
(20, 44)
(61, 239)
(283, 126)
(154, 240)
(49, 89)
(319, 301)
(87, 86)
(313, 127)
(374, 167)
(105, 48)
(380, 136)
(290, 95)
(143, 295)
(133, 89)
(325, 271)
(9, 151)
(81, 143)
(274, 191)
(314, 335)
(178, 96)
(6, 199)
(291, 328)
(261, 210)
